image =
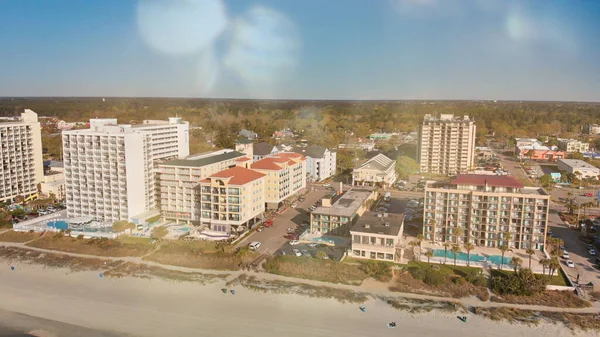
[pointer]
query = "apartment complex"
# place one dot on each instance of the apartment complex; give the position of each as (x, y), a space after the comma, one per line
(573, 145)
(338, 218)
(446, 144)
(320, 161)
(483, 209)
(22, 166)
(179, 178)
(579, 168)
(378, 237)
(592, 129)
(231, 200)
(111, 169)
(285, 176)
(379, 170)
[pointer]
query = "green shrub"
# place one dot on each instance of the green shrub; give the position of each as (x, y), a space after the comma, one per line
(378, 270)
(521, 283)
(80, 236)
(476, 278)
(459, 281)
(429, 276)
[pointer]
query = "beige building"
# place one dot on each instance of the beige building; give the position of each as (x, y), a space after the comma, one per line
(378, 237)
(573, 145)
(379, 170)
(481, 209)
(338, 218)
(53, 182)
(231, 200)
(579, 168)
(285, 176)
(22, 167)
(179, 177)
(446, 144)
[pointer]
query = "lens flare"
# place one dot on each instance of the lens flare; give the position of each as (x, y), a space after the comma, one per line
(180, 27)
(263, 47)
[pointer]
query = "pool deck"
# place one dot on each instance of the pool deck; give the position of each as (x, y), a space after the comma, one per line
(486, 251)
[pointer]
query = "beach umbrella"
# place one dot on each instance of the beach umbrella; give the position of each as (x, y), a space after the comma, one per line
(101, 275)
(12, 268)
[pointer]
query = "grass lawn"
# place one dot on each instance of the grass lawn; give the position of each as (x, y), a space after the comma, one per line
(446, 269)
(12, 236)
(315, 269)
(558, 279)
(101, 247)
(201, 254)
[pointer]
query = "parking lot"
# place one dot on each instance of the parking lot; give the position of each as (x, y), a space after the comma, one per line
(584, 262)
(272, 238)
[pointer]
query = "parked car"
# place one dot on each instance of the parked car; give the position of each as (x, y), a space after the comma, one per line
(565, 254)
(292, 236)
(570, 264)
(588, 195)
(254, 245)
(294, 242)
(301, 199)
(268, 223)
(296, 252)
(592, 252)
(589, 246)
(294, 205)
(312, 244)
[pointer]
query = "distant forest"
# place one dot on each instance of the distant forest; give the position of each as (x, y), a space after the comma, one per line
(327, 123)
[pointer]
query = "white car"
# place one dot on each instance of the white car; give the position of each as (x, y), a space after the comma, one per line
(565, 255)
(570, 264)
(294, 242)
(312, 244)
(327, 185)
(592, 252)
(296, 252)
(254, 245)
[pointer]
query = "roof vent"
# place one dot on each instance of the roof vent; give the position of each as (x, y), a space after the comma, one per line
(367, 226)
(387, 224)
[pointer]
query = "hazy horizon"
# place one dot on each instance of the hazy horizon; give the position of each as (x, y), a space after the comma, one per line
(463, 50)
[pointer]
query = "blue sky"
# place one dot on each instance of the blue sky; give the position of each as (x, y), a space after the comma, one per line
(313, 49)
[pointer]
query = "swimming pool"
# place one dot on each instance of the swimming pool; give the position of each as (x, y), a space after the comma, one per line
(63, 225)
(331, 240)
(184, 229)
(497, 259)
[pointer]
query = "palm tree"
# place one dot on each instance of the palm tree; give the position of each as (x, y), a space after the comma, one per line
(446, 245)
(530, 252)
(516, 262)
(469, 247)
(413, 244)
(420, 239)
(545, 263)
(429, 254)
(458, 232)
(554, 265)
(455, 250)
(503, 248)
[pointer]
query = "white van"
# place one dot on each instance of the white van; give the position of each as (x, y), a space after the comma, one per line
(254, 245)
(387, 196)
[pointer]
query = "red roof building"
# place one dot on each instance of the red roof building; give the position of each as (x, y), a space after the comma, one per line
(486, 180)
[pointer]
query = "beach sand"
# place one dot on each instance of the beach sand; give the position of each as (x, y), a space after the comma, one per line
(155, 307)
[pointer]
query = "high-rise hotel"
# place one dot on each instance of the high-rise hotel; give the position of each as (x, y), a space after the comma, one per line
(446, 144)
(111, 169)
(22, 166)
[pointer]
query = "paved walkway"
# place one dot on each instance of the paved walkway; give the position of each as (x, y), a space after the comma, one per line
(382, 290)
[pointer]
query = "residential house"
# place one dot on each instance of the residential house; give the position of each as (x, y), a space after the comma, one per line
(264, 150)
(320, 161)
(379, 170)
(377, 236)
(549, 155)
(573, 145)
(248, 134)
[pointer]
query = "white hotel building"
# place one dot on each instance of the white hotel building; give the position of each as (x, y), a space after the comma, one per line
(22, 167)
(110, 168)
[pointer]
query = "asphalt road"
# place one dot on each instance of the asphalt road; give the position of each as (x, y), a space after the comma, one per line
(272, 238)
(578, 253)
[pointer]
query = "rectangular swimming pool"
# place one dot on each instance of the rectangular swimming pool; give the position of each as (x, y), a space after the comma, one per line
(497, 259)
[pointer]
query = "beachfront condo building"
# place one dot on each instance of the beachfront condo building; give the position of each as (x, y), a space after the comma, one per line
(231, 200)
(446, 144)
(378, 237)
(22, 167)
(111, 169)
(285, 177)
(179, 178)
(487, 211)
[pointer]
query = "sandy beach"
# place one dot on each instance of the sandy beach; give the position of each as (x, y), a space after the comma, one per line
(139, 307)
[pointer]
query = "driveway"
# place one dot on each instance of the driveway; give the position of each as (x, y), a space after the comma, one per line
(272, 238)
(578, 253)
(335, 253)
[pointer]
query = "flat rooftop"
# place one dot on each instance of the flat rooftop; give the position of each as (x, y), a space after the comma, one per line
(203, 161)
(370, 222)
(347, 204)
(575, 163)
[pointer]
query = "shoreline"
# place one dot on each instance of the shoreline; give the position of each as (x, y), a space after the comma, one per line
(83, 298)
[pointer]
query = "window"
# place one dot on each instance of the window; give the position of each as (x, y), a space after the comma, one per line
(389, 242)
(372, 255)
(380, 256)
(356, 252)
(389, 257)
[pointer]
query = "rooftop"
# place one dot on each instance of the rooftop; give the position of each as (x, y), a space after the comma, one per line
(262, 149)
(446, 118)
(370, 222)
(237, 175)
(313, 151)
(348, 204)
(53, 163)
(379, 162)
(483, 180)
(577, 163)
(276, 162)
(204, 159)
(244, 141)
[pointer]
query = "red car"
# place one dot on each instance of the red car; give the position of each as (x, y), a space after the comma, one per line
(268, 223)
(588, 194)
(292, 236)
